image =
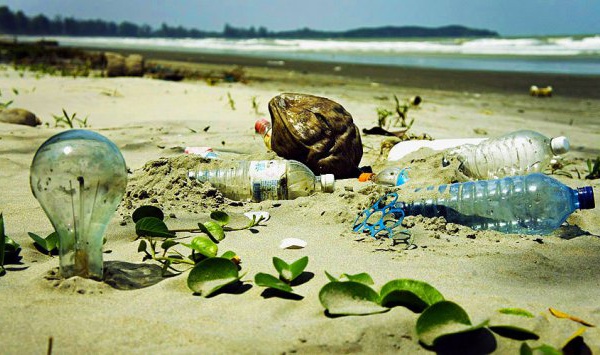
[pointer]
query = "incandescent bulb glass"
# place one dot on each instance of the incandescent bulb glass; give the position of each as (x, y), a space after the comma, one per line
(79, 177)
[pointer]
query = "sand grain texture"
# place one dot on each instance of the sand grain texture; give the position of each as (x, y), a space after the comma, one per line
(152, 121)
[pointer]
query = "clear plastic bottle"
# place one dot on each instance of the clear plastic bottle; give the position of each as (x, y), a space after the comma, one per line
(517, 153)
(393, 176)
(530, 204)
(265, 180)
(263, 127)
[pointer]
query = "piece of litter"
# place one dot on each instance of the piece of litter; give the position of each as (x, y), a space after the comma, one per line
(258, 215)
(204, 152)
(292, 243)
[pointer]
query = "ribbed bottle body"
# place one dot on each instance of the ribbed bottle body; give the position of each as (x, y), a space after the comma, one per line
(517, 153)
(261, 180)
(531, 204)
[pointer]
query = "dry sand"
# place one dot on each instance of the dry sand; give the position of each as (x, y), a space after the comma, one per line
(151, 121)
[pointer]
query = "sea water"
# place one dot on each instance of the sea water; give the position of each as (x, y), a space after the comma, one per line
(551, 54)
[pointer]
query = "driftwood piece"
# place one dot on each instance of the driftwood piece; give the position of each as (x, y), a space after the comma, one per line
(19, 116)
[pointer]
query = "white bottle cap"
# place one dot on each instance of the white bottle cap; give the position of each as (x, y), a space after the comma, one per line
(560, 145)
(327, 183)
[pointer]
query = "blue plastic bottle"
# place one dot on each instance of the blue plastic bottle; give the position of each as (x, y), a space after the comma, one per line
(530, 204)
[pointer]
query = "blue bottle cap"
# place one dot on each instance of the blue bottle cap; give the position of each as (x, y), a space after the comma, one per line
(586, 198)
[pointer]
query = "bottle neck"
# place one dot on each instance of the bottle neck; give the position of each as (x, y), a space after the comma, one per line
(325, 183)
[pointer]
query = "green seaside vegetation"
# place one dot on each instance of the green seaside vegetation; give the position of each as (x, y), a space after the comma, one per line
(17, 23)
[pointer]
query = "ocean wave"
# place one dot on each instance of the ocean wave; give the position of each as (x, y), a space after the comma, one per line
(534, 46)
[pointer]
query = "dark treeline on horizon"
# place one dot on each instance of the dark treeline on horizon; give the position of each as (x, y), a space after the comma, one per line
(17, 23)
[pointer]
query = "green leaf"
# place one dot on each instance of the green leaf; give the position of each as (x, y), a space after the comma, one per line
(220, 217)
(363, 278)
(266, 280)
(525, 349)
(152, 227)
(289, 272)
(147, 211)
(441, 319)
(48, 244)
(281, 266)
(331, 277)
(168, 244)
(297, 268)
(513, 332)
(229, 255)
(213, 229)
(143, 245)
(212, 274)
(412, 294)
(543, 349)
(204, 245)
(516, 312)
(350, 298)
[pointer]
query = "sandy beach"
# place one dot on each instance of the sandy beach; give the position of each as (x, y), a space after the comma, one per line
(152, 121)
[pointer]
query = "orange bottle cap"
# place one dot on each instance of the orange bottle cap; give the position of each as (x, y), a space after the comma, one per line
(365, 177)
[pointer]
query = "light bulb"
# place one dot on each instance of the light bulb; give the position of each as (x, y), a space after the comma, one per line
(79, 178)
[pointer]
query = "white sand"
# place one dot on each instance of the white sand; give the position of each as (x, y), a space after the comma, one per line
(148, 119)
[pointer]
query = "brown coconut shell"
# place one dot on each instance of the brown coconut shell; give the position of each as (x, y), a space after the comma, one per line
(317, 132)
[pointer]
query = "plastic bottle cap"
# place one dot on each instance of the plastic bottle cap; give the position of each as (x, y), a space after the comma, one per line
(585, 196)
(260, 124)
(327, 182)
(365, 177)
(560, 145)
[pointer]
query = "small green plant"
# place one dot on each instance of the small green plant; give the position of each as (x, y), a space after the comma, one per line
(382, 115)
(287, 274)
(48, 245)
(255, 106)
(401, 110)
(230, 101)
(559, 166)
(442, 326)
(352, 294)
(9, 249)
(70, 121)
(4, 105)
(111, 93)
(209, 273)
(593, 169)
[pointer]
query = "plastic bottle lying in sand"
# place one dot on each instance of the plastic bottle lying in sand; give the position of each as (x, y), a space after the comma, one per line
(265, 180)
(530, 204)
(393, 176)
(516, 153)
(263, 127)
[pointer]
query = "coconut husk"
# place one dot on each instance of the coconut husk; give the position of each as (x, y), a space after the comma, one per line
(317, 132)
(19, 116)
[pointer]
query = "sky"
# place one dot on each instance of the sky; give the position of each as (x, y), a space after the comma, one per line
(508, 17)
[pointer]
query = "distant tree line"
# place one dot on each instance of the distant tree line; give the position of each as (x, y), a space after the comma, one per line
(17, 23)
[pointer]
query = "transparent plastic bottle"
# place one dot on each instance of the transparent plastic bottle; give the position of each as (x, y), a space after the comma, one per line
(393, 176)
(263, 127)
(517, 153)
(530, 204)
(265, 180)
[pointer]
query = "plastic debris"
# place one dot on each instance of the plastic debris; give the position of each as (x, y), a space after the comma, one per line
(292, 243)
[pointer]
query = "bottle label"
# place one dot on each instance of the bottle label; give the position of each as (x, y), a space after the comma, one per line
(266, 180)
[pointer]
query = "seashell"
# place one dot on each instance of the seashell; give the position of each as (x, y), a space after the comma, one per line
(317, 132)
(292, 243)
(258, 215)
